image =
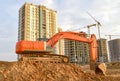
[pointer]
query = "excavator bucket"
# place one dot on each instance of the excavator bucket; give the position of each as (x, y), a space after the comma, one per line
(100, 69)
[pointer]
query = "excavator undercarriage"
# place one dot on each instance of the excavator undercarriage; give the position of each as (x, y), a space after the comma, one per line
(43, 56)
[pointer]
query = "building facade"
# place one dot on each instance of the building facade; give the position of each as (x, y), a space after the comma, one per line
(114, 50)
(36, 21)
(78, 52)
(102, 50)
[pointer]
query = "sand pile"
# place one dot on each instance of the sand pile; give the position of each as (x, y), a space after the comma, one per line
(31, 71)
(113, 65)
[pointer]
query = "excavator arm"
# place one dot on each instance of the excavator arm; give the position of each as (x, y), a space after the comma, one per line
(78, 37)
(68, 35)
(99, 68)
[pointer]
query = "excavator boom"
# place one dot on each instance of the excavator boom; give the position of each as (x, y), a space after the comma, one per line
(78, 37)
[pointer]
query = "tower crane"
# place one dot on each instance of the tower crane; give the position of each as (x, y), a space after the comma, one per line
(88, 26)
(98, 25)
(110, 36)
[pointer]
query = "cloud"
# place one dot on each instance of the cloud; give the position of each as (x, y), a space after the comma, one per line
(73, 14)
(48, 2)
(70, 14)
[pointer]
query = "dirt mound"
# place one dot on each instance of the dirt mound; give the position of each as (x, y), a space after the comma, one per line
(32, 71)
(113, 65)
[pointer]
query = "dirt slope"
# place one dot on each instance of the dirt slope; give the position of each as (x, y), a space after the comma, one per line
(30, 71)
(113, 65)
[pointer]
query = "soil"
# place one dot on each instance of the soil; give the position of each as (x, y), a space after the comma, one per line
(35, 71)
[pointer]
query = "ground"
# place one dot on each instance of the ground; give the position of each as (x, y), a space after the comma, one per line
(112, 72)
(35, 71)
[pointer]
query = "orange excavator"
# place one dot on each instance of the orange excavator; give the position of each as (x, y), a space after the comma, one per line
(41, 50)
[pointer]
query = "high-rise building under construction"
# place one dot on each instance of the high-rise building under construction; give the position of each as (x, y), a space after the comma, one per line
(36, 21)
(102, 50)
(78, 52)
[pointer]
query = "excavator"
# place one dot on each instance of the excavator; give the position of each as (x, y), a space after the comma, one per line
(42, 50)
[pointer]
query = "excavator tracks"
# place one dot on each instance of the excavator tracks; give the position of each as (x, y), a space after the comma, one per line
(43, 56)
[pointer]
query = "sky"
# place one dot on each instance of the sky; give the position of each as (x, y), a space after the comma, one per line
(72, 15)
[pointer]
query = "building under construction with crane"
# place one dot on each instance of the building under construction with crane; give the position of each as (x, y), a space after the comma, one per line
(78, 52)
(38, 36)
(36, 22)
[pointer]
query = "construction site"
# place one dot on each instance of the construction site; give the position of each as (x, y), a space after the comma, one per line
(47, 53)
